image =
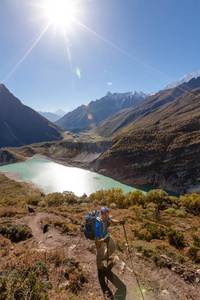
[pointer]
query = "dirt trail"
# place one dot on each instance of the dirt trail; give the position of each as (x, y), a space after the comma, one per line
(156, 284)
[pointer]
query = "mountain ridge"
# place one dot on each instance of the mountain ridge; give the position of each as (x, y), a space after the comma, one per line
(21, 125)
(87, 116)
(116, 122)
(185, 78)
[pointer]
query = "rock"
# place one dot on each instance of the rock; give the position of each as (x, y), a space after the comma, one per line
(40, 242)
(138, 254)
(49, 236)
(198, 271)
(72, 247)
(64, 284)
(123, 266)
(116, 259)
(165, 292)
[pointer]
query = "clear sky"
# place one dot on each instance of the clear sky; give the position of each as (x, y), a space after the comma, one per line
(64, 53)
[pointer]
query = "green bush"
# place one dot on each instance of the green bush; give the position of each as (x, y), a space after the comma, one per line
(33, 200)
(193, 254)
(176, 238)
(149, 232)
(156, 231)
(191, 203)
(55, 199)
(171, 211)
(135, 198)
(196, 240)
(74, 274)
(158, 197)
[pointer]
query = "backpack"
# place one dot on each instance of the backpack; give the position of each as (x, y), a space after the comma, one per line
(91, 218)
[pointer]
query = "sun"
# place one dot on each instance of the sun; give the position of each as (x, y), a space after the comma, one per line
(60, 12)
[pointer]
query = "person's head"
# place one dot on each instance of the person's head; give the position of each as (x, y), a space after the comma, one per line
(104, 213)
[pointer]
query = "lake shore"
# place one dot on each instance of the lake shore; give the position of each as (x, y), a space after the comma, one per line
(17, 177)
(59, 176)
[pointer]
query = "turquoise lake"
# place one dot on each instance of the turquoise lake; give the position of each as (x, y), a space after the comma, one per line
(53, 177)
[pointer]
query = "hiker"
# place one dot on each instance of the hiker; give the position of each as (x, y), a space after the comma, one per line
(103, 241)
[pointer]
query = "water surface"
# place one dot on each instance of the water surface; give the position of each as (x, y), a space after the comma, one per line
(53, 177)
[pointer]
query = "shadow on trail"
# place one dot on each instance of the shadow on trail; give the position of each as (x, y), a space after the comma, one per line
(120, 293)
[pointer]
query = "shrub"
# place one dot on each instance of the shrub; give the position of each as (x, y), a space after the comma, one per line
(15, 233)
(74, 273)
(42, 203)
(193, 254)
(191, 203)
(175, 238)
(55, 199)
(156, 231)
(196, 240)
(71, 198)
(149, 232)
(135, 198)
(116, 196)
(4, 242)
(158, 197)
(33, 200)
(113, 205)
(171, 211)
(180, 214)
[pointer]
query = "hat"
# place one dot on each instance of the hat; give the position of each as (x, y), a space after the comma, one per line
(104, 210)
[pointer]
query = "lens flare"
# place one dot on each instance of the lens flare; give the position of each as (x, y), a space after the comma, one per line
(90, 117)
(77, 71)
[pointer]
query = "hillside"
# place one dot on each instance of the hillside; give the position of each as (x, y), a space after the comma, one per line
(44, 254)
(115, 123)
(21, 125)
(160, 148)
(86, 117)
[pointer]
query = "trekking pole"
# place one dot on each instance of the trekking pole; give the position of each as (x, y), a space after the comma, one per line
(107, 262)
(132, 262)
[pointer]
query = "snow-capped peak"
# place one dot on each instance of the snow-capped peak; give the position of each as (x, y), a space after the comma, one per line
(185, 78)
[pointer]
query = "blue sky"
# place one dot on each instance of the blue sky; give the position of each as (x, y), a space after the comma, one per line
(111, 45)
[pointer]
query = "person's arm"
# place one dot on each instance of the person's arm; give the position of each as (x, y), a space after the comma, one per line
(113, 221)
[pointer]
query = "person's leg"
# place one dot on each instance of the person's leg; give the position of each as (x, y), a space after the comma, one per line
(106, 291)
(111, 246)
(101, 255)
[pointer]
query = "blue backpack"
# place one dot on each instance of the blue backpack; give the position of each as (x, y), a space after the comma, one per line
(91, 218)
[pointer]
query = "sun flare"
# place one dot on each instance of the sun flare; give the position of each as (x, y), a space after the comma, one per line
(60, 12)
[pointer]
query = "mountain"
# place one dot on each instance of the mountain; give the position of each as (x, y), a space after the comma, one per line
(60, 112)
(53, 117)
(157, 142)
(49, 116)
(21, 125)
(116, 122)
(85, 117)
(185, 78)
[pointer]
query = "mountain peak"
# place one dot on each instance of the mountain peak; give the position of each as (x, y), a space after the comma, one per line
(21, 125)
(86, 117)
(185, 78)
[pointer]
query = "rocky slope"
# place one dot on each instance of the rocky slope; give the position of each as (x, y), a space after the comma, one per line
(21, 125)
(160, 148)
